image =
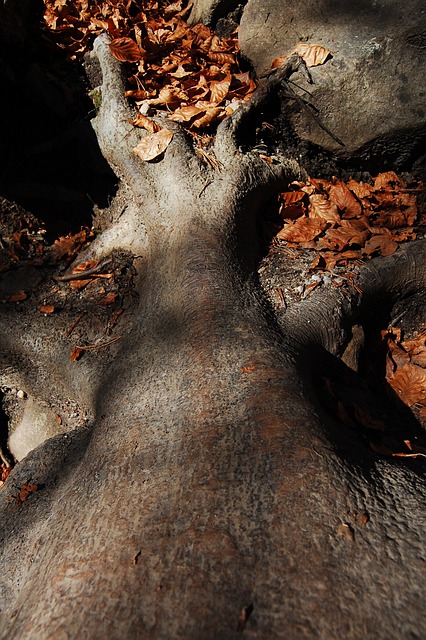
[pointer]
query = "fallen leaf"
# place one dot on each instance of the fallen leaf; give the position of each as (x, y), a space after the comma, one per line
(47, 308)
(109, 299)
(388, 179)
(146, 123)
(409, 382)
(360, 189)
(68, 246)
(381, 244)
(248, 369)
(185, 114)
(321, 207)
(76, 353)
(26, 490)
(18, 296)
(312, 54)
(222, 58)
(279, 61)
(219, 90)
(153, 145)
(302, 230)
(345, 531)
(210, 116)
(5, 470)
(125, 50)
(345, 200)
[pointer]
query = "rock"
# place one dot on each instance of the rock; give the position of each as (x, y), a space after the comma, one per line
(36, 424)
(209, 11)
(371, 93)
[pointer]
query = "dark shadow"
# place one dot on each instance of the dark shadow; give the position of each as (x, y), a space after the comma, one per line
(4, 433)
(50, 162)
(369, 418)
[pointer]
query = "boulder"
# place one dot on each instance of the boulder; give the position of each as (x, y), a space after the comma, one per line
(371, 93)
(209, 11)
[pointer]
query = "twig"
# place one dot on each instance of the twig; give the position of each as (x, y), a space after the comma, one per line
(73, 326)
(100, 345)
(81, 275)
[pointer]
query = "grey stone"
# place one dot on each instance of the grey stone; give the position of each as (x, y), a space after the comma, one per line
(209, 11)
(371, 94)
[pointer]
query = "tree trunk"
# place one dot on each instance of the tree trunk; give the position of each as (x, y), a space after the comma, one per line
(211, 496)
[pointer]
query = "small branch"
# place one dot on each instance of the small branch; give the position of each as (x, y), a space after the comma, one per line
(99, 345)
(81, 275)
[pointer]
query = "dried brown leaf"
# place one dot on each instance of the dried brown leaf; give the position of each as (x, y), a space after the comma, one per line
(47, 308)
(185, 114)
(76, 353)
(69, 246)
(312, 54)
(125, 50)
(360, 189)
(388, 179)
(345, 200)
(409, 382)
(321, 207)
(153, 145)
(18, 296)
(146, 123)
(210, 116)
(222, 58)
(302, 230)
(380, 244)
(219, 90)
(109, 299)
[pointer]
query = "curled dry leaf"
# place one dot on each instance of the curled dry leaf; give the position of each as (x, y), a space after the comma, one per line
(68, 246)
(146, 123)
(312, 54)
(360, 189)
(211, 115)
(153, 145)
(125, 50)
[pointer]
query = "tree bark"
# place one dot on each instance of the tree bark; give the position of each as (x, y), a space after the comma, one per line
(211, 497)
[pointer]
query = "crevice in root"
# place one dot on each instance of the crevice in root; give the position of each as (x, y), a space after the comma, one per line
(5, 455)
(359, 390)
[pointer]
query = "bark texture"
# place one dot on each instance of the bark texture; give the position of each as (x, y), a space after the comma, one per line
(211, 496)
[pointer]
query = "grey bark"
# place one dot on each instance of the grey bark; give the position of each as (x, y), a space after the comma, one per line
(210, 484)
